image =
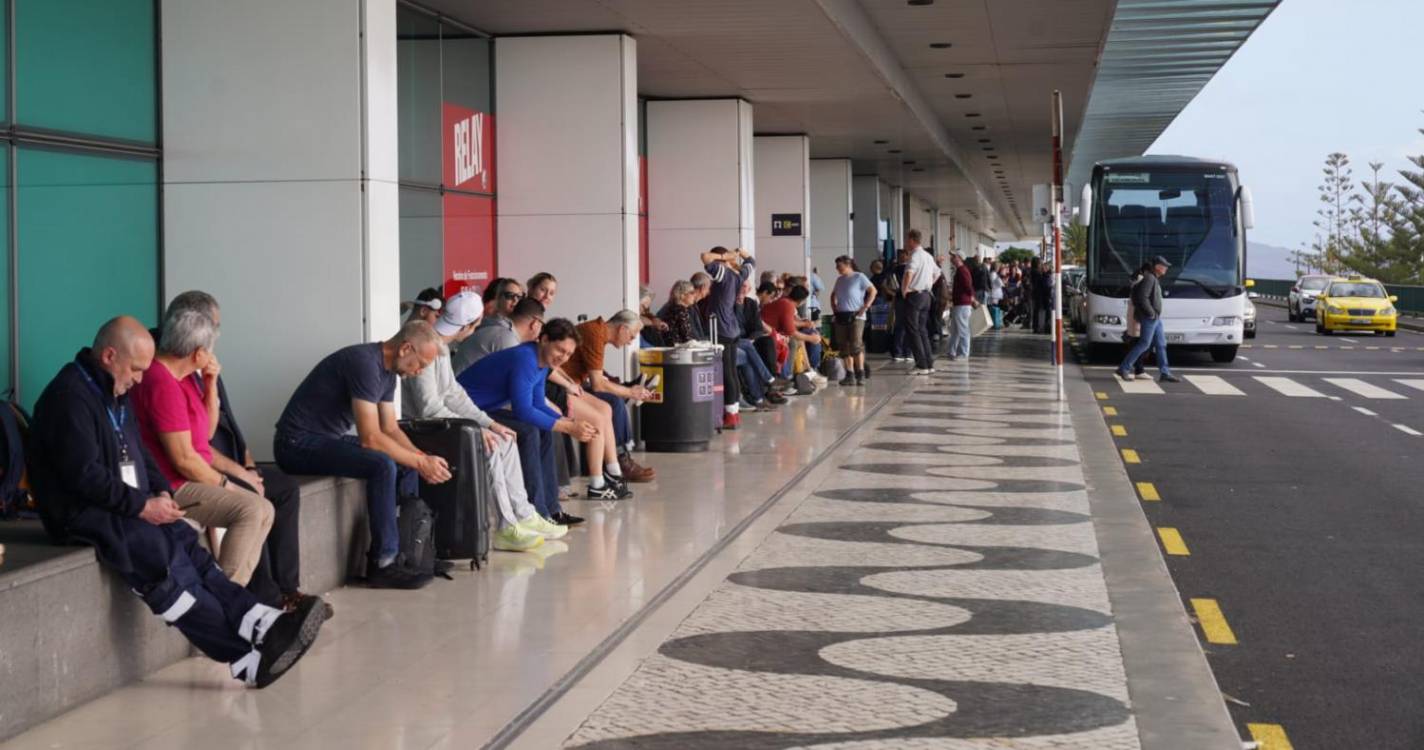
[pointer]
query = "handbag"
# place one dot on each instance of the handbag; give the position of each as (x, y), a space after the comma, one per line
(979, 320)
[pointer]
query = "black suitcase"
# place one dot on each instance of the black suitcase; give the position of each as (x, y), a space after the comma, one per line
(461, 505)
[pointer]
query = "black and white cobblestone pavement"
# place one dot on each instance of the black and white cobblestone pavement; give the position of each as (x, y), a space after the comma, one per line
(940, 589)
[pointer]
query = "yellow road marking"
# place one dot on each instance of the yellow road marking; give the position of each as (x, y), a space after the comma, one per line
(1119, 431)
(1110, 411)
(1269, 736)
(1148, 491)
(1213, 623)
(1130, 456)
(1172, 541)
(1102, 395)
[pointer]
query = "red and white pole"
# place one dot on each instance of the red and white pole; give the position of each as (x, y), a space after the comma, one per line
(1056, 202)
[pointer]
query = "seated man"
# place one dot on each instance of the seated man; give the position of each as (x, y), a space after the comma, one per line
(584, 369)
(174, 421)
(780, 314)
(501, 299)
(278, 575)
(512, 381)
(356, 386)
(750, 363)
(434, 394)
(95, 483)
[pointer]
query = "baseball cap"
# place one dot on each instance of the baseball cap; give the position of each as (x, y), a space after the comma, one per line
(459, 311)
(1160, 261)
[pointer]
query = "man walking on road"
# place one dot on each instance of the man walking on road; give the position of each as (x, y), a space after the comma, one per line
(1146, 304)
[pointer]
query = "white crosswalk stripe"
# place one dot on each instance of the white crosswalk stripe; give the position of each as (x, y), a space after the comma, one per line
(1214, 385)
(1361, 388)
(1288, 387)
(1417, 385)
(1139, 386)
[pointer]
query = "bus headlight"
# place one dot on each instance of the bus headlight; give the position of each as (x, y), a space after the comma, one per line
(1226, 320)
(1107, 320)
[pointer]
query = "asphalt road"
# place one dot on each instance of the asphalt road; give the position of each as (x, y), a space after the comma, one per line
(1303, 520)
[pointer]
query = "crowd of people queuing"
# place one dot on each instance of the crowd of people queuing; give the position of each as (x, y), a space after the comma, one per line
(136, 447)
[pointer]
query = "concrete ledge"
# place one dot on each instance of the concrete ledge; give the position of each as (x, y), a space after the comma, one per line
(71, 631)
(1175, 698)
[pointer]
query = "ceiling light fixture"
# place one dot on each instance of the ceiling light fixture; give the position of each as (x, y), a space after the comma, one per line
(940, 45)
(980, 127)
(954, 75)
(893, 151)
(963, 96)
(920, 2)
(881, 143)
(985, 140)
(971, 114)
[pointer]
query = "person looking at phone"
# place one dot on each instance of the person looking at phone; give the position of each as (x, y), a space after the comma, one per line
(175, 419)
(356, 387)
(95, 482)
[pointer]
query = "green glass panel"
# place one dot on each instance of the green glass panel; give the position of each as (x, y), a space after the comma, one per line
(86, 66)
(418, 95)
(88, 251)
(5, 323)
(422, 259)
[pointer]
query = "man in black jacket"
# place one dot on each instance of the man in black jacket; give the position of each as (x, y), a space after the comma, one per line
(95, 483)
(1146, 304)
(277, 579)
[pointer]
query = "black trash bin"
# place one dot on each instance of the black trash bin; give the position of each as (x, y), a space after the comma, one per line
(679, 416)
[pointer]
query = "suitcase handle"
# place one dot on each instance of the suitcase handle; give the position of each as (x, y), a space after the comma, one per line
(432, 426)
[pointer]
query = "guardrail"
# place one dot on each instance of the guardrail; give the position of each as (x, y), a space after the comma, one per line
(1411, 298)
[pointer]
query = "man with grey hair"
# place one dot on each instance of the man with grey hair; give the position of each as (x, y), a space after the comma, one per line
(584, 370)
(277, 579)
(94, 482)
(356, 387)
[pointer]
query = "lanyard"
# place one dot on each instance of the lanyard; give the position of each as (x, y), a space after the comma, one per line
(117, 420)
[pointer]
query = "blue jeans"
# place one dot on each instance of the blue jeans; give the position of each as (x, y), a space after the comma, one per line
(960, 334)
(536, 459)
(1154, 337)
(343, 456)
(622, 432)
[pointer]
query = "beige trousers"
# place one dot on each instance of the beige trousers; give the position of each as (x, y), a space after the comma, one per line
(246, 516)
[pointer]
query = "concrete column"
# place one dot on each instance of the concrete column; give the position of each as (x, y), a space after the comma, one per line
(783, 187)
(831, 208)
(866, 199)
(895, 213)
(700, 155)
(292, 225)
(567, 154)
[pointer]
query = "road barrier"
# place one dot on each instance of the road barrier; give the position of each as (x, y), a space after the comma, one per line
(1411, 298)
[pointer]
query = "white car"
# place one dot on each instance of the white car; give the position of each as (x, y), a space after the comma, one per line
(1300, 304)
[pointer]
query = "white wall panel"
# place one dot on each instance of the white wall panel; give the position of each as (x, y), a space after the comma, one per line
(262, 90)
(783, 186)
(831, 208)
(866, 226)
(289, 284)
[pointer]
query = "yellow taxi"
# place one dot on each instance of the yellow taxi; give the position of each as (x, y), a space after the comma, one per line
(1355, 304)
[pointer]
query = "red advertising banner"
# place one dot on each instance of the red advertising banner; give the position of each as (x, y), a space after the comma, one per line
(469, 220)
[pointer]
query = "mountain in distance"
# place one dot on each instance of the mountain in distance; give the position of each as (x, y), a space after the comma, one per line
(1268, 262)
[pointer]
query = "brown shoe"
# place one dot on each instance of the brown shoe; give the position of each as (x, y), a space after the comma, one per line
(635, 472)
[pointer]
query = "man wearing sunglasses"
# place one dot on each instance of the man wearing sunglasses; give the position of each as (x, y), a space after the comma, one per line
(496, 331)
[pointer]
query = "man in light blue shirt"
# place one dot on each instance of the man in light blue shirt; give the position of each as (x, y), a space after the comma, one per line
(852, 295)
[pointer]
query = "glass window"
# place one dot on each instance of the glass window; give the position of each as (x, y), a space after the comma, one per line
(421, 260)
(418, 95)
(6, 323)
(88, 250)
(86, 66)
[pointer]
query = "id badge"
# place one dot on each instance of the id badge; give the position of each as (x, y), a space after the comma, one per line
(128, 471)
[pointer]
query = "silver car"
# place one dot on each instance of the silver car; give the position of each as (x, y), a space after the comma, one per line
(1300, 305)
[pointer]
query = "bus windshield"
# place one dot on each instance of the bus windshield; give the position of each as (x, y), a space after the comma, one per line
(1187, 217)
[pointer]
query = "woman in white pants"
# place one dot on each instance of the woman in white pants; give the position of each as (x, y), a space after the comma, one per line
(434, 394)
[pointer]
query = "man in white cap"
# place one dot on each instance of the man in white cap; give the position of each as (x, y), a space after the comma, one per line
(434, 394)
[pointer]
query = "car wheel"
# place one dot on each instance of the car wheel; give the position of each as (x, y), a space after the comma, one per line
(1223, 354)
(1320, 329)
(1389, 334)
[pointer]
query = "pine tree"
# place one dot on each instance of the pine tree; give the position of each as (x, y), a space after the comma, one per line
(1407, 220)
(1371, 249)
(1334, 221)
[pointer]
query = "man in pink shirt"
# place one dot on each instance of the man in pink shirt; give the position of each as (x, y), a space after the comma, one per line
(176, 421)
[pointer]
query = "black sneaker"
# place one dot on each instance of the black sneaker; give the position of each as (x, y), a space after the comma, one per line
(860, 378)
(866, 373)
(606, 492)
(396, 576)
(619, 484)
(564, 519)
(288, 639)
(1170, 378)
(848, 379)
(772, 397)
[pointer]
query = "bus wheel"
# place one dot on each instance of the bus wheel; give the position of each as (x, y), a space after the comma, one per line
(1223, 354)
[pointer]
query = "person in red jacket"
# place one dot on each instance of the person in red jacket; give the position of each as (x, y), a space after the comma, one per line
(962, 298)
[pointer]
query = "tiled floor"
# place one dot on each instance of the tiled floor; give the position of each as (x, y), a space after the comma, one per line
(939, 588)
(451, 665)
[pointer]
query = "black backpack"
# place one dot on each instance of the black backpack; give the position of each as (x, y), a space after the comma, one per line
(416, 524)
(14, 431)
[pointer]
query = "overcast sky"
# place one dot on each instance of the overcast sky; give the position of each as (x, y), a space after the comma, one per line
(1318, 76)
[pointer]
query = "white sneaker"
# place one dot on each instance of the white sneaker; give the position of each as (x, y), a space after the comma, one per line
(544, 527)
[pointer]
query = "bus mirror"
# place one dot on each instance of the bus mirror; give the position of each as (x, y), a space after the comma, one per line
(1250, 283)
(1085, 206)
(1248, 209)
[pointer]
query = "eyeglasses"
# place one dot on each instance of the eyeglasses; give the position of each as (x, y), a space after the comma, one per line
(512, 295)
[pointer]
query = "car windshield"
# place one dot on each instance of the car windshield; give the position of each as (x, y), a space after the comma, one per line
(1355, 289)
(1313, 283)
(1187, 217)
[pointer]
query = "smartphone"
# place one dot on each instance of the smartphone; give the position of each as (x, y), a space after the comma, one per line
(653, 382)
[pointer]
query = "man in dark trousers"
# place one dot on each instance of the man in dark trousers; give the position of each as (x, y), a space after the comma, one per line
(729, 269)
(1147, 306)
(95, 483)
